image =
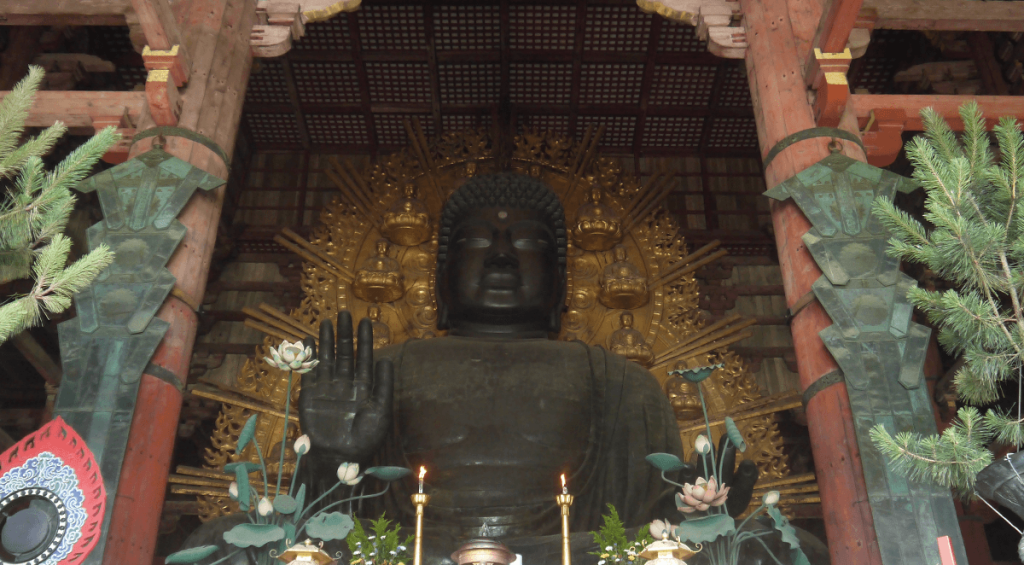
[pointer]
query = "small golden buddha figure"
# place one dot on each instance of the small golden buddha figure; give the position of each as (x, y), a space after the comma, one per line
(381, 331)
(407, 221)
(629, 343)
(380, 279)
(622, 285)
(597, 226)
(683, 395)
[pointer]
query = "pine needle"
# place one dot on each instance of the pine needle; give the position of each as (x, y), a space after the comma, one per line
(35, 211)
(976, 240)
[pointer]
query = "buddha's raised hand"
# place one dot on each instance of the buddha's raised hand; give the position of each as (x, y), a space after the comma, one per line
(345, 403)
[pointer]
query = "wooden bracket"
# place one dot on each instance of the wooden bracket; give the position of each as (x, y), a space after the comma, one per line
(884, 117)
(714, 20)
(830, 102)
(162, 95)
(883, 135)
(280, 23)
(821, 63)
(172, 60)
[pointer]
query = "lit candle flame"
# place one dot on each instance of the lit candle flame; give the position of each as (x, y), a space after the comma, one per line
(565, 490)
(423, 473)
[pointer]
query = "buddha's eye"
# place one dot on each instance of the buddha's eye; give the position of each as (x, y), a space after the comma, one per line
(530, 238)
(474, 238)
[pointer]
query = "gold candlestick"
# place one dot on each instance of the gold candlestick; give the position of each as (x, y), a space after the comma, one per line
(565, 501)
(420, 500)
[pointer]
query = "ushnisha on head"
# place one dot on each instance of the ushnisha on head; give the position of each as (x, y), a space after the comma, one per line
(501, 258)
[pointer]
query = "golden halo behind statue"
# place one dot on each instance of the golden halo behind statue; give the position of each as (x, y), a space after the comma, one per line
(630, 284)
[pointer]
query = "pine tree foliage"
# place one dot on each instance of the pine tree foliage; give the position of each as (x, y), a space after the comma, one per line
(35, 210)
(976, 207)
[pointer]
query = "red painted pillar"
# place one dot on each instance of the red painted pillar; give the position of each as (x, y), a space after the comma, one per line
(217, 33)
(774, 60)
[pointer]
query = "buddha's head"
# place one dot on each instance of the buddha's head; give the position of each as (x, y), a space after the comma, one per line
(501, 258)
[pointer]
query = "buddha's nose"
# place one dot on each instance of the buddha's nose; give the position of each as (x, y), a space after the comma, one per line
(502, 254)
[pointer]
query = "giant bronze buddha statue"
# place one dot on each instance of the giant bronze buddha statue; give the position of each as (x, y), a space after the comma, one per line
(495, 409)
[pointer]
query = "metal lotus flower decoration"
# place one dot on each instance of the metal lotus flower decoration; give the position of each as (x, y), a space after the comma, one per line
(702, 495)
(292, 357)
(279, 518)
(715, 528)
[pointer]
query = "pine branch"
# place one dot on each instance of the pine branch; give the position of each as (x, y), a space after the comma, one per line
(14, 109)
(977, 242)
(1009, 430)
(952, 459)
(35, 147)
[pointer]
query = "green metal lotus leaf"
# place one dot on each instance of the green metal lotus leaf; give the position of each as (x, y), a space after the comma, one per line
(329, 527)
(388, 473)
(245, 436)
(665, 462)
(797, 557)
(708, 528)
(782, 524)
(249, 467)
(300, 499)
(284, 504)
(253, 535)
(734, 434)
(242, 478)
(698, 374)
(191, 555)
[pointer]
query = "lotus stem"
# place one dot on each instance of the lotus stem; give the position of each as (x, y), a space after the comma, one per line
(333, 504)
(284, 434)
(707, 427)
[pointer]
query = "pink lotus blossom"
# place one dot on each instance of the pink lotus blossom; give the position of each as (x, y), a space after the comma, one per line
(702, 495)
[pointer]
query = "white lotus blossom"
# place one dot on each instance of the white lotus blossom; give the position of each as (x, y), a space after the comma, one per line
(302, 445)
(233, 490)
(702, 445)
(265, 507)
(348, 473)
(292, 357)
(771, 497)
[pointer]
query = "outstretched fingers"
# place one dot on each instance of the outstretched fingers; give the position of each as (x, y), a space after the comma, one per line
(742, 487)
(344, 355)
(384, 383)
(364, 360)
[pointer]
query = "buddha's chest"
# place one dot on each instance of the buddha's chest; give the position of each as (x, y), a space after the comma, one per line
(485, 398)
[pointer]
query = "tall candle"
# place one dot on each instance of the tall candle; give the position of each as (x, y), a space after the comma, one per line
(423, 473)
(564, 501)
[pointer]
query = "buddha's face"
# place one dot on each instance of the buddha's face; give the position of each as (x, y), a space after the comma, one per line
(501, 275)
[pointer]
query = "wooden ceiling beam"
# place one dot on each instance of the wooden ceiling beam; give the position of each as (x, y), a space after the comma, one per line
(837, 21)
(296, 105)
(61, 20)
(158, 23)
(577, 66)
(947, 15)
(81, 108)
(645, 91)
(993, 107)
(80, 12)
(884, 117)
(435, 78)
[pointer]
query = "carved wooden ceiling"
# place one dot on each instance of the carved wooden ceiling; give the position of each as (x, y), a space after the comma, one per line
(349, 84)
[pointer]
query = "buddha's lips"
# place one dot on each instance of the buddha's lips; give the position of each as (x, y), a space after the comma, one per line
(501, 279)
